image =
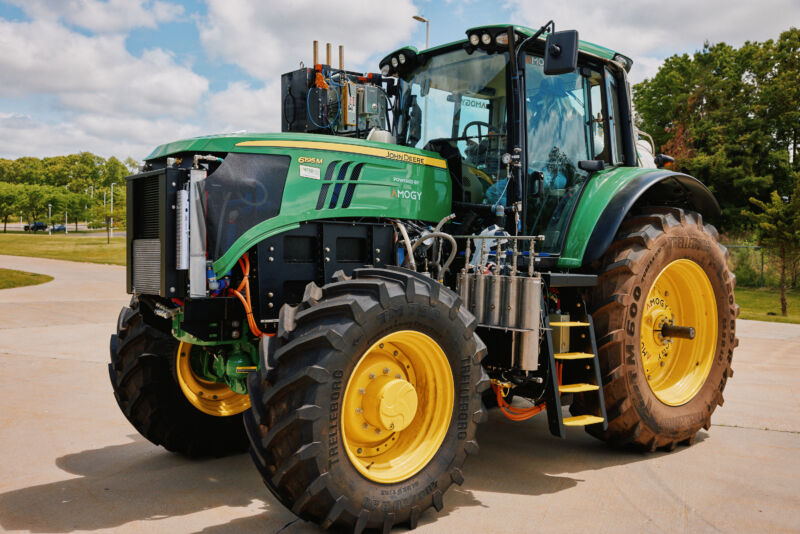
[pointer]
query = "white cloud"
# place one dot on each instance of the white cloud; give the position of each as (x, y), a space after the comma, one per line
(93, 73)
(648, 32)
(109, 16)
(136, 137)
(240, 107)
(269, 38)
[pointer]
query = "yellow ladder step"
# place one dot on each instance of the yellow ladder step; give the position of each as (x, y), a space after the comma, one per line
(582, 420)
(573, 355)
(569, 323)
(576, 388)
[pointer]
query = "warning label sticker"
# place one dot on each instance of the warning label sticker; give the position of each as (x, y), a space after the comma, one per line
(309, 172)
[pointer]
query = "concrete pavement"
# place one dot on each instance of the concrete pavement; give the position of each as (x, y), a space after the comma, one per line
(70, 462)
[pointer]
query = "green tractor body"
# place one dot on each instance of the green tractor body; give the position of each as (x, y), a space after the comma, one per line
(473, 225)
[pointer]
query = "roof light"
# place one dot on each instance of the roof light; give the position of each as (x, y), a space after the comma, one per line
(486, 39)
(474, 39)
(385, 70)
(501, 39)
(394, 62)
(402, 58)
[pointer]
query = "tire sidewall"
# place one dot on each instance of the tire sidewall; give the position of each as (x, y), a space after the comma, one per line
(699, 247)
(433, 319)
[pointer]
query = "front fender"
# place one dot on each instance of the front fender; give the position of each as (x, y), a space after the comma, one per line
(610, 195)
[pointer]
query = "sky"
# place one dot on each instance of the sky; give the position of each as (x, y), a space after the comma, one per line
(120, 77)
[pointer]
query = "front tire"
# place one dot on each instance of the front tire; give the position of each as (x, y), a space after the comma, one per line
(666, 268)
(143, 375)
(356, 357)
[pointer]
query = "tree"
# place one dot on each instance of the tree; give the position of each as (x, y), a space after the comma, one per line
(9, 194)
(730, 117)
(778, 229)
(100, 214)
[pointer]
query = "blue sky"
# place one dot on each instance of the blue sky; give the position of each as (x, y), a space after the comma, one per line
(118, 77)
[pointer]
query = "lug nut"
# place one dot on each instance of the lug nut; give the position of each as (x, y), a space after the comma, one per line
(386, 370)
(372, 376)
(361, 391)
(359, 410)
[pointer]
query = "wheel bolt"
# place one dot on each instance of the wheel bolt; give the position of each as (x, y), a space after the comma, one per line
(386, 370)
(377, 430)
(397, 375)
(359, 450)
(365, 425)
(372, 376)
(359, 410)
(395, 353)
(380, 346)
(361, 391)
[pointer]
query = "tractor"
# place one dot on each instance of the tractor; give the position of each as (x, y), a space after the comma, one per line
(476, 226)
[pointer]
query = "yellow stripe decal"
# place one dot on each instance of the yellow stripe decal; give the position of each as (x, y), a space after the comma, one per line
(352, 149)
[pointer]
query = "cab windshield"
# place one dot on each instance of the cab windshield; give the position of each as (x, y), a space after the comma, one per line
(455, 104)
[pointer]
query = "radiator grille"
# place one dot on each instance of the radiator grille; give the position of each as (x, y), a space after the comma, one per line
(146, 205)
(147, 264)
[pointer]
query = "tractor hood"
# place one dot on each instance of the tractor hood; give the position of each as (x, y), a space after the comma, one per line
(271, 183)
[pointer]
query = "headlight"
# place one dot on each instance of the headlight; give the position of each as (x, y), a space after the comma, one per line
(474, 39)
(385, 70)
(501, 39)
(394, 62)
(402, 58)
(486, 39)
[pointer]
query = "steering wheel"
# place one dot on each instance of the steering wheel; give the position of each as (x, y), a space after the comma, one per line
(478, 124)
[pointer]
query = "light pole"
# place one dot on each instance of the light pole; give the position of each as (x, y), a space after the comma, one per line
(49, 219)
(427, 29)
(112, 209)
(427, 45)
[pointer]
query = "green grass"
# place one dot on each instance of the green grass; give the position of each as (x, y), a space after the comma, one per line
(10, 278)
(755, 303)
(70, 247)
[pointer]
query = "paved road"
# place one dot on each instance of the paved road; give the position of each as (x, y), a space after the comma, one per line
(70, 462)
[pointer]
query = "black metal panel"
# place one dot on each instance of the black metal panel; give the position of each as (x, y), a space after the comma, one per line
(569, 280)
(213, 319)
(151, 198)
(286, 263)
(294, 94)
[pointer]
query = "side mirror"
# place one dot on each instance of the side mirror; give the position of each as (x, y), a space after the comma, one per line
(561, 52)
(662, 160)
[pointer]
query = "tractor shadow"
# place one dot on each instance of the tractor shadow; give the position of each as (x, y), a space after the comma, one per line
(525, 459)
(136, 481)
(120, 484)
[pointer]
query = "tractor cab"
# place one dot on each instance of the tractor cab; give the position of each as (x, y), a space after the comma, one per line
(474, 105)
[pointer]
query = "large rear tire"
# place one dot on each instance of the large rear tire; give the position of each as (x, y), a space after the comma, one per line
(143, 373)
(666, 268)
(355, 358)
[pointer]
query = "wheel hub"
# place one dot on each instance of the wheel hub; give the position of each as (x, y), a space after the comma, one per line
(677, 359)
(390, 403)
(397, 406)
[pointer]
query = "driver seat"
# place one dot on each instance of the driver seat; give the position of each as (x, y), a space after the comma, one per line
(452, 156)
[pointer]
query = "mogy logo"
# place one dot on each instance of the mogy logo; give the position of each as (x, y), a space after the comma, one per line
(413, 195)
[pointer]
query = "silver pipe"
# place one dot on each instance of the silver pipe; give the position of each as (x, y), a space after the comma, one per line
(407, 242)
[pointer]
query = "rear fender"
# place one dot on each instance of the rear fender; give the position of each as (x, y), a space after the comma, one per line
(609, 197)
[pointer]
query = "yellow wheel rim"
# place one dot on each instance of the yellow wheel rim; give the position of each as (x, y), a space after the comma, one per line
(676, 368)
(212, 398)
(397, 406)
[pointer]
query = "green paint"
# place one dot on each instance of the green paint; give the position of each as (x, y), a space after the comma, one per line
(600, 189)
(386, 188)
(223, 364)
